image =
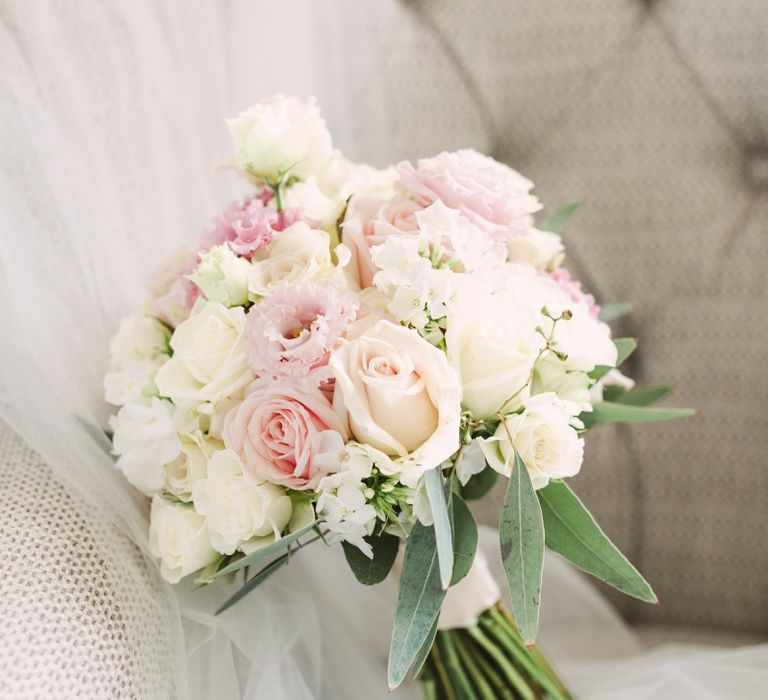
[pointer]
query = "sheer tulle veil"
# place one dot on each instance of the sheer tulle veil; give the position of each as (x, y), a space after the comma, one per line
(112, 114)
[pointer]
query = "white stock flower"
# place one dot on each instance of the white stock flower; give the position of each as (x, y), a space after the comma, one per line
(190, 466)
(543, 435)
(179, 537)
(133, 382)
(237, 508)
(281, 135)
(399, 395)
(139, 337)
(208, 363)
(299, 253)
(541, 249)
(145, 440)
(222, 276)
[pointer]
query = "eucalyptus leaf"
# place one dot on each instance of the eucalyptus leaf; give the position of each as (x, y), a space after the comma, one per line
(624, 348)
(421, 657)
(572, 532)
(522, 549)
(557, 222)
(613, 392)
(613, 310)
(609, 412)
(480, 484)
(372, 571)
(266, 551)
(644, 397)
(418, 602)
(254, 582)
(464, 539)
(433, 481)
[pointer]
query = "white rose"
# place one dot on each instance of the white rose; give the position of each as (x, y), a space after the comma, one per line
(281, 135)
(492, 342)
(543, 435)
(222, 276)
(313, 202)
(179, 537)
(341, 179)
(542, 249)
(299, 253)
(238, 509)
(190, 466)
(139, 337)
(145, 438)
(208, 363)
(399, 395)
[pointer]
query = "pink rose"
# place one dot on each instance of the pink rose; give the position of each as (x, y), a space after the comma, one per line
(573, 288)
(294, 330)
(278, 429)
(488, 193)
(367, 222)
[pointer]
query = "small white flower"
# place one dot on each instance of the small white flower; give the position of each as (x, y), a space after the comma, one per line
(133, 382)
(222, 276)
(470, 462)
(139, 338)
(145, 439)
(400, 263)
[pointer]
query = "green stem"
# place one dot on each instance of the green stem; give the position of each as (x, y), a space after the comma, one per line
(277, 189)
(520, 684)
(445, 680)
(486, 667)
(475, 672)
(453, 664)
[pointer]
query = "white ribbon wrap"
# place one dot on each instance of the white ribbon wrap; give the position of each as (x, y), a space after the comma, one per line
(476, 592)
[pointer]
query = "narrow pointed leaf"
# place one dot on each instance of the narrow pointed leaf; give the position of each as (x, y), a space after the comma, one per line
(644, 397)
(557, 222)
(573, 533)
(421, 657)
(266, 552)
(464, 539)
(522, 549)
(608, 412)
(613, 310)
(371, 571)
(433, 480)
(418, 602)
(624, 348)
(255, 582)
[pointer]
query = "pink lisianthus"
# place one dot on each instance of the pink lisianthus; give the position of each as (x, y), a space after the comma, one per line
(490, 194)
(573, 288)
(367, 222)
(278, 429)
(173, 295)
(295, 329)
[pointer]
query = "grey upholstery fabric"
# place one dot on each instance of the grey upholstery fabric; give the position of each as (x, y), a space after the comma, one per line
(655, 114)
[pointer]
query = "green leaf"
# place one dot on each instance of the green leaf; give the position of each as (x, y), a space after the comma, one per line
(573, 533)
(608, 412)
(254, 582)
(464, 539)
(613, 310)
(522, 549)
(418, 602)
(421, 657)
(613, 392)
(557, 222)
(644, 397)
(624, 348)
(266, 551)
(433, 481)
(371, 571)
(479, 484)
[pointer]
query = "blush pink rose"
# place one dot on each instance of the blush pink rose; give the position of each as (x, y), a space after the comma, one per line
(278, 429)
(367, 222)
(488, 193)
(573, 288)
(294, 330)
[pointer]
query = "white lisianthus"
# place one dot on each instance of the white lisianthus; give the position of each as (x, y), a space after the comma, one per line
(190, 466)
(208, 363)
(133, 382)
(145, 440)
(491, 341)
(238, 509)
(541, 249)
(178, 536)
(298, 254)
(400, 396)
(279, 136)
(315, 205)
(139, 337)
(544, 435)
(222, 276)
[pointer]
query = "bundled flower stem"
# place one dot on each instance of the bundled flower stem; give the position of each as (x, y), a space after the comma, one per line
(487, 662)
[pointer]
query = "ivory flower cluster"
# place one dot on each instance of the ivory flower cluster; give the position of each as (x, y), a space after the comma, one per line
(339, 334)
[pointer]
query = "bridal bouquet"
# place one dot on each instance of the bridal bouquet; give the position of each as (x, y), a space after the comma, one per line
(351, 354)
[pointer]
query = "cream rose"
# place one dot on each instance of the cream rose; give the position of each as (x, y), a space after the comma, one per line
(190, 466)
(543, 435)
(179, 537)
(399, 395)
(238, 509)
(208, 363)
(281, 135)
